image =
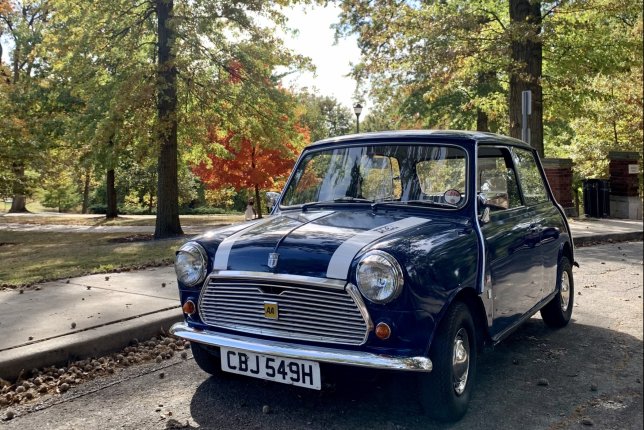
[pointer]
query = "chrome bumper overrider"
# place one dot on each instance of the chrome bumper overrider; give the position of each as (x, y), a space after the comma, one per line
(302, 352)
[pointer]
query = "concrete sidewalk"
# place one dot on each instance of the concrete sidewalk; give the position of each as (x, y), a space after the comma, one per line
(94, 315)
(84, 317)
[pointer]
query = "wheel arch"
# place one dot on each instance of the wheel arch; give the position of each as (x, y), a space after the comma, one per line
(565, 250)
(472, 300)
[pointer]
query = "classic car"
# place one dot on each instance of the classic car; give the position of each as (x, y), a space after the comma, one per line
(406, 251)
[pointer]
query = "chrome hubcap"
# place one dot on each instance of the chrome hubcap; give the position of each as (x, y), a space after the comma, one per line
(565, 291)
(461, 361)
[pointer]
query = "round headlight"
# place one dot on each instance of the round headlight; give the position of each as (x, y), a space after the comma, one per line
(379, 277)
(190, 264)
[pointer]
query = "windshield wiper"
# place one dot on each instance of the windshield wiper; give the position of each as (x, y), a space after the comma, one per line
(413, 203)
(431, 203)
(345, 199)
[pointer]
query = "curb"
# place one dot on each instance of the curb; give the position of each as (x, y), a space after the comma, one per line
(90, 343)
(610, 237)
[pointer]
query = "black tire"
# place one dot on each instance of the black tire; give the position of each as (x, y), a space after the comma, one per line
(557, 312)
(442, 396)
(205, 359)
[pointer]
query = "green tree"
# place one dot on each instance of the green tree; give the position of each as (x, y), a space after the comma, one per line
(23, 93)
(459, 64)
(598, 108)
(435, 63)
(324, 116)
(525, 73)
(173, 60)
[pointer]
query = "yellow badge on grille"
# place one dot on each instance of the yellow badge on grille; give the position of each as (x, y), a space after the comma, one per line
(271, 310)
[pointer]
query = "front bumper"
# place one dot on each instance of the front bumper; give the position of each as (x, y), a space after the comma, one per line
(302, 352)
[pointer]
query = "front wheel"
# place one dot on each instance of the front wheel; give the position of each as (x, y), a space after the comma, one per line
(558, 311)
(445, 391)
(205, 359)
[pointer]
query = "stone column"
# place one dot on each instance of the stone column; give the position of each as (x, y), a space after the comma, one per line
(559, 174)
(625, 200)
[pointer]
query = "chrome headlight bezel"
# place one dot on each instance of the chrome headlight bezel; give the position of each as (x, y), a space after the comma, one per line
(379, 260)
(198, 253)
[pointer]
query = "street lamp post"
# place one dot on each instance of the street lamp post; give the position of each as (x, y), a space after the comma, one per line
(357, 109)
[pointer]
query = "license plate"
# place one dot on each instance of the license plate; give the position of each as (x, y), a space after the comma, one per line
(302, 373)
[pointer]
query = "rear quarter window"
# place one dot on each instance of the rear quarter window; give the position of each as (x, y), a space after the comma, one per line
(532, 184)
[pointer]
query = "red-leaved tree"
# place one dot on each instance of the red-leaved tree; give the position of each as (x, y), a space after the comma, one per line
(248, 164)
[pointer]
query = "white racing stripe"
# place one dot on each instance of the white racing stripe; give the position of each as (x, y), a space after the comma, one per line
(343, 256)
(223, 250)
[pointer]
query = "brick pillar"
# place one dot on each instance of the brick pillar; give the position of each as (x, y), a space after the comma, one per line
(624, 170)
(559, 174)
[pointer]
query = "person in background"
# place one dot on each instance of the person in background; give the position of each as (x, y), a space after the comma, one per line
(250, 210)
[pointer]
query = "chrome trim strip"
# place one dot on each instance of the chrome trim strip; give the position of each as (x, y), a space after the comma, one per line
(357, 298)
(334, 284)
(301, 352)
(477, 225)
(343, 256)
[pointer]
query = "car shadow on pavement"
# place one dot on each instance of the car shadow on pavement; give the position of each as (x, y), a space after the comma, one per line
(538, 378)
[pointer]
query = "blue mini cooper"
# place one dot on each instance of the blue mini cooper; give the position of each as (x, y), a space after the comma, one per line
(397, 250)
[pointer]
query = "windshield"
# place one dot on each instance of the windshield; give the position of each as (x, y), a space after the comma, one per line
(419, 174)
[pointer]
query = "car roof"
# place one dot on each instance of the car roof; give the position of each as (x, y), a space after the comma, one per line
(463, 136)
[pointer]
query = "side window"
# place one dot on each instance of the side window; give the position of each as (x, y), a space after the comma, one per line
(534, 190)
(497, 181)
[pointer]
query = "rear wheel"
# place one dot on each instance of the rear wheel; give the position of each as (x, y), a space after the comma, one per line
(205, 359)
(558, 311)
(446, 390)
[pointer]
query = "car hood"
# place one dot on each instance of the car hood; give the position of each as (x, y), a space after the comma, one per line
(312, 243)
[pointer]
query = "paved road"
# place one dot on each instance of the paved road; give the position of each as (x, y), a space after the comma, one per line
(593, 370)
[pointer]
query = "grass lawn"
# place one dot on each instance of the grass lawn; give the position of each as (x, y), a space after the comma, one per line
(49, 218)
(30, 257)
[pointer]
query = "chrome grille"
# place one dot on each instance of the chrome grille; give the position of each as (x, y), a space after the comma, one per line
(305, 312)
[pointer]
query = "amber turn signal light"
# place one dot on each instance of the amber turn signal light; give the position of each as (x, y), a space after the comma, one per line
(189, 307)
(383, 331)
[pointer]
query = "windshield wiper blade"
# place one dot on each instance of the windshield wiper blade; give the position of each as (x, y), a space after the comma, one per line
(431, 203)
(413, 203)
(345, 199)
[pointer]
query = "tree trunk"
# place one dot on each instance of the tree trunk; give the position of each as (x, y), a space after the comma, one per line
(19, 203)
(85, 206)
(151, 200)
(486, 82)
(525, 71)
(16, 64)
(481, 121)
(258, 202)
(112, 210)
(167, 220)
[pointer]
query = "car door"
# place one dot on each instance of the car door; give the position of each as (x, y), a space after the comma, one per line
(547, 218)
(512, 239)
